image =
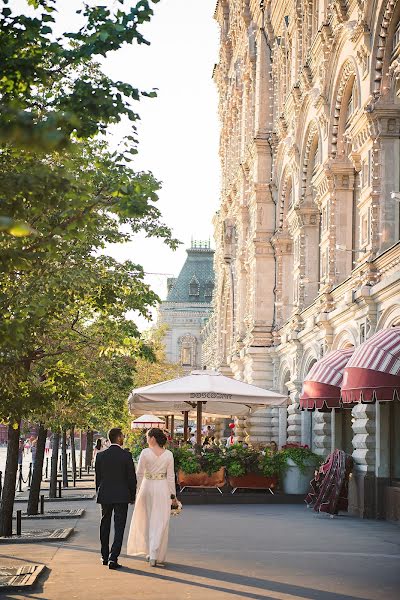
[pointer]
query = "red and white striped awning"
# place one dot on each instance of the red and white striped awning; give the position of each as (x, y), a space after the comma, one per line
(321, 388)
(373, 372)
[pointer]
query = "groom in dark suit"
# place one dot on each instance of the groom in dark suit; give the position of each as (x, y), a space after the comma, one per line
(116, 488)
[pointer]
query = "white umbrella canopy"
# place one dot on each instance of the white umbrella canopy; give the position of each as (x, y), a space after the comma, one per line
(147, 421)
(219, 395)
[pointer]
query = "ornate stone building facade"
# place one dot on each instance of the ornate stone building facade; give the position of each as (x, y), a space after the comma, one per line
(307, 235)
(187, 307)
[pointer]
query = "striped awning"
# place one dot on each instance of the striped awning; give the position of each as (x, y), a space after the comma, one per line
(373, 372)
(321, 388)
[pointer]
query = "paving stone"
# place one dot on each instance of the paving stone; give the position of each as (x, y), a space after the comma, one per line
(54, 513)
(19, 577)
(38, 535)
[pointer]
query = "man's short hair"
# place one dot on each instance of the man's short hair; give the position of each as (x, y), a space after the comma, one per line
(114, 434)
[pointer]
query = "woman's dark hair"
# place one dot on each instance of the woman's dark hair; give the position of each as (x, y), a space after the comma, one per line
(98, 444)
(158, 435)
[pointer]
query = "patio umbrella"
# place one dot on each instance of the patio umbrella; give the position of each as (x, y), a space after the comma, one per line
(205, 392)
(147, 421)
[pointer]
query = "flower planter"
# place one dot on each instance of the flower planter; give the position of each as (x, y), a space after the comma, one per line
(294, 481)
(253, 481)
(202, 480)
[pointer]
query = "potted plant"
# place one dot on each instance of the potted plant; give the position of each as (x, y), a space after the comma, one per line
(248, 468)
(204, 468)
(298, 466)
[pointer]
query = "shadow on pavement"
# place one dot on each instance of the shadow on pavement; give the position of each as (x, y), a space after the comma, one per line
(251, 582)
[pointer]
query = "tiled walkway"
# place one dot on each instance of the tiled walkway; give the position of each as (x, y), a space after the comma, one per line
(270, 552)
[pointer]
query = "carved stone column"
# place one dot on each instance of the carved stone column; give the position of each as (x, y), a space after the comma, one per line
(294, 414)
(258, 371)
(218, 428)
(293, 423)
(322, 433)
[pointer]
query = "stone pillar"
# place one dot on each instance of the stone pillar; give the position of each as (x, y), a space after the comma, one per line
(275, 424)
(322, 433)
(240, 425)
(258, 371)
(362, 488)
(218, 429)
(294, 413)
(293, 423)
(282, 435)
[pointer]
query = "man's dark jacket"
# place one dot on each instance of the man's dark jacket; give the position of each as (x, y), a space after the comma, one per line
(115, 476)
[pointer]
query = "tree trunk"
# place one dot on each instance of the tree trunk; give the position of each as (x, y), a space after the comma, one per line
(34, 492)
(10, 478)
(64, 457)
(54, 465)
(73, 455)
(89, 449)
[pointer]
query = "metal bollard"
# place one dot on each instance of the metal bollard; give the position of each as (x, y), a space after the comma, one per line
(30, 475)
(59, 489)
(80, 472)
(42, 504)
(74, 478)
(1, 483)
(19, 522)
(88, 469)
(47, 468)
(69, 460)
(20, 479)
(59, 464)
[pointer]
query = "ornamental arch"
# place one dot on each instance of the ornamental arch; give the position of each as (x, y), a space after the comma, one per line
(389, 318)
(347, 338)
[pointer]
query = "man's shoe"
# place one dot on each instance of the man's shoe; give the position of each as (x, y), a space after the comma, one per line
(104, 561)
(114, 565)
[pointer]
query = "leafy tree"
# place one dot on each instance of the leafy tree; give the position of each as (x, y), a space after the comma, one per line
(160, 369)
(64, 197)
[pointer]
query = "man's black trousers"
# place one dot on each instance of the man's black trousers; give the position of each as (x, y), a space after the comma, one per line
(120, 512)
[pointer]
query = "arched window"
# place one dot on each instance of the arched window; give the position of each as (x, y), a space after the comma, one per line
(351, 102)
(194, 286)
(186, 357)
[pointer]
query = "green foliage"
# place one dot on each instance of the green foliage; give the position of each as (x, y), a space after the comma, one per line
(135, 440)
(186, 459)
(211, 459)
(302, 456)
(50, 90)
(68, 352)
(240, 460)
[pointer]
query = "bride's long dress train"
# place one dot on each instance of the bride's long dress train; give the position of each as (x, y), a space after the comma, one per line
(148, 532)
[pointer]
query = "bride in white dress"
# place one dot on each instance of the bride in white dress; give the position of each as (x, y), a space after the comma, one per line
(155, 474)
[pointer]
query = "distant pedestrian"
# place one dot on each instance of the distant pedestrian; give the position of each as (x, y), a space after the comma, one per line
(33, 450)
(20, 452)
(98, 448)
(47, 446)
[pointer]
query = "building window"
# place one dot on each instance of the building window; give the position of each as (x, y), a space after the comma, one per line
(324, 264)
(351, 103)
(365, 228)
(364, 174)
(325, 217)
(208, 292)
(194, 287)
(396, 39)
(186, 358)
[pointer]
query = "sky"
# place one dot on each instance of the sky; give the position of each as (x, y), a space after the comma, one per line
(179, 130)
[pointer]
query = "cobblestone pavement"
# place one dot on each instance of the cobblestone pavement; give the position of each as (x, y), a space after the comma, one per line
(269, 552)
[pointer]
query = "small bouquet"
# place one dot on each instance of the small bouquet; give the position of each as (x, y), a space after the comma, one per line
(176, 507)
